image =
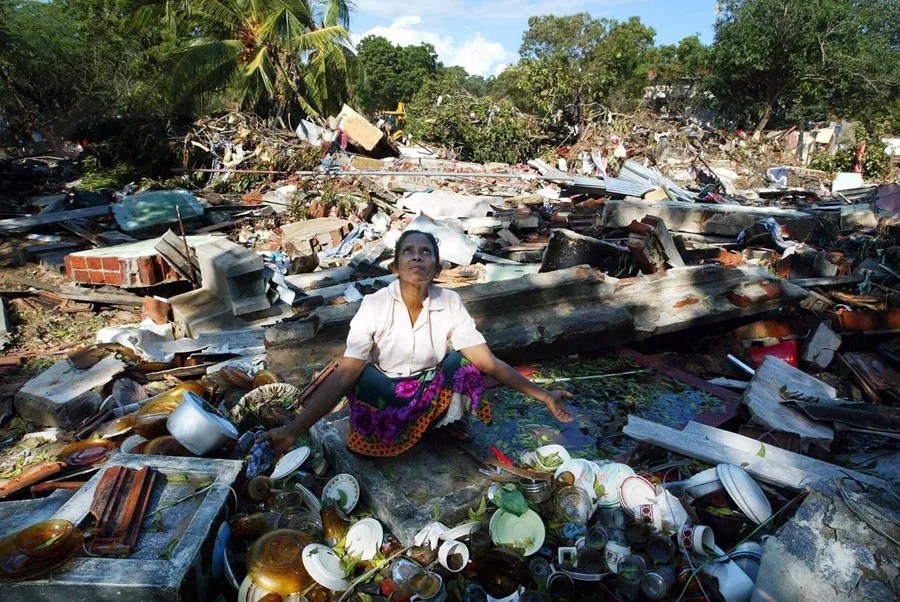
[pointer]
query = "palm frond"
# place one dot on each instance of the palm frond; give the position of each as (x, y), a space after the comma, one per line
(204, 66)
(226, 15)
(337, 12)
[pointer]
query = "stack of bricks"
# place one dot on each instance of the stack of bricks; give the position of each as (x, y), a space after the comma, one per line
(127, 272)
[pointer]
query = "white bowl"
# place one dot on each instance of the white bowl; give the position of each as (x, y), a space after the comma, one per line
(745, 492)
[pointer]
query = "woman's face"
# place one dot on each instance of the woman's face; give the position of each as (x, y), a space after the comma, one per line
(416, 263)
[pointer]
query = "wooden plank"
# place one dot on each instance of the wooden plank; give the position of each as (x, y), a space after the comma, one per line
(43, 219)
(171, 247)
(79, 294)
(777, 467)
(198, 370)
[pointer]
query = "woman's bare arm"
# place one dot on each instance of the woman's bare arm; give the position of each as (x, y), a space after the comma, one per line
(322, 401)
(484, 359)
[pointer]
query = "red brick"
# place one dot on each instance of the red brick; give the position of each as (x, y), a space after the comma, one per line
(78, 262)
(94, 263)
(96, 277)
(111, 263)
(114, 278)
(145, 272)
(156, 310)
(81, 276)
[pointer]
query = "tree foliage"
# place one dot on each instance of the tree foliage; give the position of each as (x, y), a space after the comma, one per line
(777, 60)
(273, 56)
(392, 73)
(571, 62)
(477, 129)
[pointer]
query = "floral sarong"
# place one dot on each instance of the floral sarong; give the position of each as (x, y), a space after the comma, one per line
(389, 415)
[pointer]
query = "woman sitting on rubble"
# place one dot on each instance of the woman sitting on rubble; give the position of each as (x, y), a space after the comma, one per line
(396, 372)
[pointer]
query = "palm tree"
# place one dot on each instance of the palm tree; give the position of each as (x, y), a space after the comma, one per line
(272, 56)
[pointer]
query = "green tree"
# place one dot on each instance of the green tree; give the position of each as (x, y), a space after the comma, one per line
(477, 129)
(72, 61)
(392, 73)
(777, 60)
(272, 56)
(688, 59)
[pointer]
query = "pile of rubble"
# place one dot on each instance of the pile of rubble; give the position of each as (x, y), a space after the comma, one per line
(241, 298)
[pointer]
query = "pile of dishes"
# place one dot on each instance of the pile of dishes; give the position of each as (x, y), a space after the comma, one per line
(38, 549)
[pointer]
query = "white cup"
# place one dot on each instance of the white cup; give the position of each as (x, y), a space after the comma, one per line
(450, 547)
(696, 539)
(614, 554)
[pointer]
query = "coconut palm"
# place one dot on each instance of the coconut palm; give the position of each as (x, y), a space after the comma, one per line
(270, 56)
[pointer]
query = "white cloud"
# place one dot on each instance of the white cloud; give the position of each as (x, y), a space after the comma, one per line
(476, 54)
(489, 9)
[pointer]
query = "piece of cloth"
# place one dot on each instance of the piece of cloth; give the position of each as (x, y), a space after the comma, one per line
(389, 415)
(381, 332)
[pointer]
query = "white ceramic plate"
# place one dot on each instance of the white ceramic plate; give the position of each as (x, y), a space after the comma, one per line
(460, 531)
(324, 566)
(611, 476)
(745, 492)
(363, 539)
(346, 484)
(635, 491)
(703, 483)
(290, 462)
(312, 502)
(510, 530)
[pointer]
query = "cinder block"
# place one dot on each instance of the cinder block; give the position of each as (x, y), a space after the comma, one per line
(235, 275)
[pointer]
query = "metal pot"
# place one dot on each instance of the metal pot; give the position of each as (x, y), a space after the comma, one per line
(536, 492)
(197, 426)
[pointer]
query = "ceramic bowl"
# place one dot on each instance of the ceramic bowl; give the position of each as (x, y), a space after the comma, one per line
(610, 476)
(198, 426)
(703, 483)
(548, 458)
(46, 539)
(745, 492)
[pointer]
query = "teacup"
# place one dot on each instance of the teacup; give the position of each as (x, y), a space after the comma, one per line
(614, 554)
(453, 555)
(696, 539)
(648, 514)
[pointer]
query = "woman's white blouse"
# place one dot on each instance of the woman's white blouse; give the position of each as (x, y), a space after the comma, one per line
(381, 332)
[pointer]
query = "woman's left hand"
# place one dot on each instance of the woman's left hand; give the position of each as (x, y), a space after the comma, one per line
(554, 404)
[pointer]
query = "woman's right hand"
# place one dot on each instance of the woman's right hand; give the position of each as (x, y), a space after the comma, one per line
(282, 438)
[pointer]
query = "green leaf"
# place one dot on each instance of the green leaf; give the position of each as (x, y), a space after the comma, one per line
(170, 549)
(177, 478)
(156, 524)
(436, 511)
(762, 451)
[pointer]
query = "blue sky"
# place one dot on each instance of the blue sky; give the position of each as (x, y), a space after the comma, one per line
(484, 36)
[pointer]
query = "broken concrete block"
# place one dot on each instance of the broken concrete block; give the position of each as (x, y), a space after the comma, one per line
(765, 401)
(62, 395)
(704, 218)
(311, 236)
(132, 265)
(235, 275)
(280, 199)
(358, 129)
(200, 311)
(652, 246)
(567, 249)
(825, 553)
(821, 347)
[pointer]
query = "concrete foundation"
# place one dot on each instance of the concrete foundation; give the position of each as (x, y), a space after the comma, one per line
(437, 476)
(155, 571)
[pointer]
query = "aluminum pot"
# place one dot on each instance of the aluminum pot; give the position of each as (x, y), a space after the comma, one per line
(198, 427)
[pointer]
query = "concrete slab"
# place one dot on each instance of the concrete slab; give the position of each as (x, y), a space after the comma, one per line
(314, 235)
(154, 571)
(448, 204)
(437, 476)
(62, 395)
(200, 311)
(825, 553)
(16, 515)
(705, 218)
(764, 400)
